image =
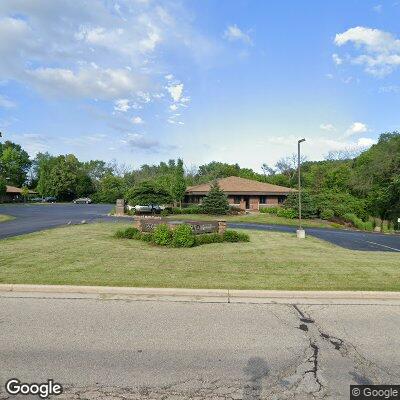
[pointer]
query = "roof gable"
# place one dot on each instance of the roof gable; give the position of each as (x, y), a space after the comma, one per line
(14, 189)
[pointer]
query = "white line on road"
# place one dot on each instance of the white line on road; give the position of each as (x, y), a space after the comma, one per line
(382, 245)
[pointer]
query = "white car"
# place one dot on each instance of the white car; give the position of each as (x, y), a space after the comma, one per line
(149, 208)
(82, 200)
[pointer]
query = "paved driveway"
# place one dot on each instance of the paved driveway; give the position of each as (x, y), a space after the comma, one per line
(353, 240)
(35, 217)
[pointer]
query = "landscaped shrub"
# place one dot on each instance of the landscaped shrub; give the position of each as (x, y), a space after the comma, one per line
(287, 213)
(208, 238)
(308, 208)
(234, 236)
(269, 210)
(357, 222)
(146, 237)
(182, 236)
(327, 214)
(162, 235)
(235, 210)
(165, 213)
(128, 233)
(188, 210)
(340, 203)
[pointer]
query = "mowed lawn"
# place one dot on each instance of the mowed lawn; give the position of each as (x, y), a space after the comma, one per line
(4, 218)
(259, 218)
(89, 255)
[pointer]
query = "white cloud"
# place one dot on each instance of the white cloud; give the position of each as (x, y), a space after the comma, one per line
(5, 102)
(327, 127)
(57, 52)
(169, 77)
(176, 91)
(122, 105)
(356, 128)
(233, 33)
(139, 141)
(336, 59)
(137, 120)
(380, 50)
(87, 82)
(365, 142)
(173, 107)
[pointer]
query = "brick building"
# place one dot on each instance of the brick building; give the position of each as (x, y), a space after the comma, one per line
(13, 194)
(244, 193)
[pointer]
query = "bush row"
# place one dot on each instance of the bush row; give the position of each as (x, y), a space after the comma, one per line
(280, 212)
(181, 236)
(358, 223)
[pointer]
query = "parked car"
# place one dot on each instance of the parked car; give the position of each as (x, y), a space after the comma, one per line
(149, 208)
(36, 199)
(49, 199)
(83, 200)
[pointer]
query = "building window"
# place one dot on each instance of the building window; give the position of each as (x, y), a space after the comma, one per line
(237, 199)
(281, 199)
(263, 199)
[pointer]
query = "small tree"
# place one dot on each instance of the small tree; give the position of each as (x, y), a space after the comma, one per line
(179, 184)
(3, 188)
(308, 208)
(216, 201)
(148, 193)
(25, 192)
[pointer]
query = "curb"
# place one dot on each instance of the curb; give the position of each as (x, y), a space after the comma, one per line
(199, 295)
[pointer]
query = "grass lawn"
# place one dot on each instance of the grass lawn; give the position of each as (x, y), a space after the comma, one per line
(89, 255)
(4, 218)
(260, 218)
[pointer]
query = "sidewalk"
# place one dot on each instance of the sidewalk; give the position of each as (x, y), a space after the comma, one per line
(199, 295)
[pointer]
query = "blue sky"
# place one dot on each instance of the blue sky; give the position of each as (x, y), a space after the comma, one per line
(142, 81)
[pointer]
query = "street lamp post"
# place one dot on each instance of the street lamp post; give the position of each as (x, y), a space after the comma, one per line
(301, 234)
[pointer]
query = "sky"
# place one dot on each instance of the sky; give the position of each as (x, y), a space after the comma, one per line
(238, 81)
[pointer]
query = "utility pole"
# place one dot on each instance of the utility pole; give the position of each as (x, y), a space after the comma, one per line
(301, 234)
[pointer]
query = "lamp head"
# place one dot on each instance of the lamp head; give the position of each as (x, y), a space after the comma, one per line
(301, 140)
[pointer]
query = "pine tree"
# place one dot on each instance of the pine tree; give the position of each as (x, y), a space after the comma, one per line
(216, 201)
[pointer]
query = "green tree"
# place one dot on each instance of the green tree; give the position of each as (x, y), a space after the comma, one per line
(43, 165)
(63, 177)
(110, 189)
(3, 187)
(148, 192)
(84, 185)
(179, 184)
(215, 202)
(308, 208)
(25, 192)
(14, 163)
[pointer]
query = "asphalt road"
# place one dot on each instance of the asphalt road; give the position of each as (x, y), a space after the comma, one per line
(35, 217)
(107, 349)
(31, 218)
(354, 240)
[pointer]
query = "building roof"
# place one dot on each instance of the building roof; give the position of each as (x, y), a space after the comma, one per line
(13, 189)
(236, 185)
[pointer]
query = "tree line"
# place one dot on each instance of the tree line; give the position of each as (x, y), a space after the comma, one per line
(366, 184)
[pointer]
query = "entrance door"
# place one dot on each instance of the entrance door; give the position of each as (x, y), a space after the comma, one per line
(247, 200)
